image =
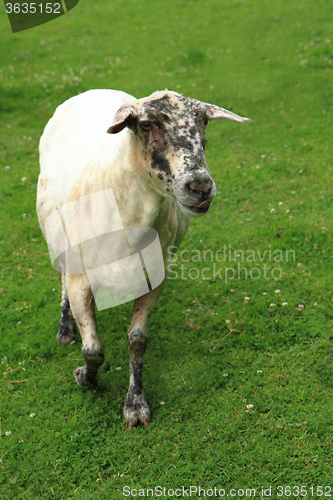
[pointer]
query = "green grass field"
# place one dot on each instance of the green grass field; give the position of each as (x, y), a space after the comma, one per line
(239, 365)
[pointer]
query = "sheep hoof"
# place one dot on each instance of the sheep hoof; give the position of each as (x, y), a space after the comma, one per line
(136, 410)
(87, 379)
(66, 334)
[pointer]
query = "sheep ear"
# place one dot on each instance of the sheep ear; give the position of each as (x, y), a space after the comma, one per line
(215, 112)
(124, 117)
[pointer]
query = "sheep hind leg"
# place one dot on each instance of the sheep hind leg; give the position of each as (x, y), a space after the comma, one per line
(136, 409)
(67, 329)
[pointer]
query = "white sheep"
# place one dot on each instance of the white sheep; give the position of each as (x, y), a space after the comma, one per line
(117, 163)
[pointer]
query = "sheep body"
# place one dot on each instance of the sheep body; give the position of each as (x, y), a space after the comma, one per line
(115, 163)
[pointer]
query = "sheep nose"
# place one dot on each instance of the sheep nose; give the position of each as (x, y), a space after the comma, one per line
(199, 188)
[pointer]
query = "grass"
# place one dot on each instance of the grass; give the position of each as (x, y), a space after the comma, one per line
(240, 389)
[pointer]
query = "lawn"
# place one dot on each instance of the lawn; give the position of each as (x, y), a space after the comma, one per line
(239, 367)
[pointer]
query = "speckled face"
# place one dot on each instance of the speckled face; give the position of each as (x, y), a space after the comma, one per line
(172, 128)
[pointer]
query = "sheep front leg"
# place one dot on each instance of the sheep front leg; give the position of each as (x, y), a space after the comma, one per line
(136, 409)
(83, 308)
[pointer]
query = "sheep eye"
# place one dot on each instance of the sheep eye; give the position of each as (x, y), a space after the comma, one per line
(145, 125)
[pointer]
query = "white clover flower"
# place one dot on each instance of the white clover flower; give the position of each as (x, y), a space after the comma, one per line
(8, 433)
(300, 307)
(277, 291)
(280, 203)
(118, 368)
(32, 415)
(162, 402)
(272, 210)
(228, 321)
(315, 304)
(285, 304)
(7, 167)
(264, 293)
(225, 374)
(272, 304)
(259, 371)
(24, 179)
(249, 407)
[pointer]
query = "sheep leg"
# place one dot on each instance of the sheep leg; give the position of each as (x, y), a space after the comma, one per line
(136, 409)
(67, 330)
(83, 308)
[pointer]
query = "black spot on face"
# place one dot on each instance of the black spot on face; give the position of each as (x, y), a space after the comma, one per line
(162, 104)
(192, 131)
(182, 143)
(160, 162)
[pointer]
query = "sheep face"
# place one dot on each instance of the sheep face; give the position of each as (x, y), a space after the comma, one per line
(171, 130)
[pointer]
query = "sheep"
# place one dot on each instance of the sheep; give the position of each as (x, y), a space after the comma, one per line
(144, 158)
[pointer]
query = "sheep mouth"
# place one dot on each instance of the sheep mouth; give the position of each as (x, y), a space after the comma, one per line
(198, 209)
